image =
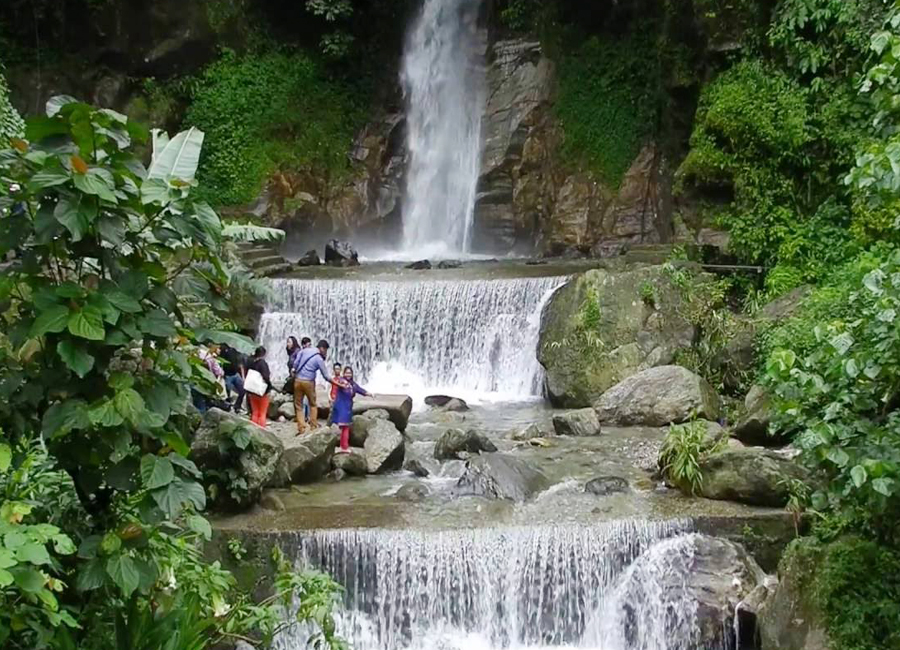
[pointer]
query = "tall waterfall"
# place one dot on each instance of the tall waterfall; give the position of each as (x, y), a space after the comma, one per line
(443, 82)
(467, 338)
(486, 589)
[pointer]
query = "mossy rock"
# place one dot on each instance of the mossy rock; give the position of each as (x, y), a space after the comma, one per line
(606, 325)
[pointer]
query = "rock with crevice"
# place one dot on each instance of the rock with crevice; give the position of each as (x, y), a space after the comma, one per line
(657, 397)
(753, 426)
(256, 464)
(359, 430)
(455, 442)
(751, 475)
(597, 330)
(352, 464)
(398, 407)
(384, 448)
(306, 458)
(579, 423)
(310, 258)
(340, 253)
(500, 476)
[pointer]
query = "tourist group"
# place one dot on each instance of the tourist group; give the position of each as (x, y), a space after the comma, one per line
(242, 376)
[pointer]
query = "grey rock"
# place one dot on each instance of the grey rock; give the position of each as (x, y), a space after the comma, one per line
(353, 464)
(446, 403)
(306, 459)
(310, 258)
(657, 397)
(449, 264)
(256, 464)
(287, 410)
(384, 448)
(751, 475)
(453, 442)
(417, 467)
(606, 485)
(277, 399)
(340, 253)
(413, 492)
(362, 423)
(398, 407)
(500, 476)
(580, 423)
(421, 265)
(531, 432)
(337, 475)
(753, 427)
(271, 501)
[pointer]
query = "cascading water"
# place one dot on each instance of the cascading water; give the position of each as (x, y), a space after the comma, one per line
(443, 82)
(474, 339)
(486, 589)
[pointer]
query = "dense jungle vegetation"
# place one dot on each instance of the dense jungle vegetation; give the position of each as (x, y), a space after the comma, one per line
(782, 118)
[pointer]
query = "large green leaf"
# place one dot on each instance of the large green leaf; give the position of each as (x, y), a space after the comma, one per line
(52, 320)
(157, 323)
(56, 103)
(75, 356)
(5, 457)
(130, 404)
(97, 183)
(123, 302)
(178, 158)
(87, 323)
(239, 342)
(91, 575)
(173, 498)
(33, 553)
(48, 178)
(104, 414)
(124, 572)
(156, 471)
(76, 214)
(28, 580)
(63, 417)
(251, 233)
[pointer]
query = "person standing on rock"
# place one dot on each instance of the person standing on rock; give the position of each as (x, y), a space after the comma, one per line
(342, 405)
(259, 404)
(336, 370)
(305, 342)
(234, 374)
(309, 362)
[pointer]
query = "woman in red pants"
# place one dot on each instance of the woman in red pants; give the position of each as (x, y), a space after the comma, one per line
(259, 404)
(342, 407)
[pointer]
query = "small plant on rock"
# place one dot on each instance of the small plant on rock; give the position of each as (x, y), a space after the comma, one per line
(685, 448)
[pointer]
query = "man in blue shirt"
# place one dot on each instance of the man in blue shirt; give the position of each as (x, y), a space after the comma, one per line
(306, 365)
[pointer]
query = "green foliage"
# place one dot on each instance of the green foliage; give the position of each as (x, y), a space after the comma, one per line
(520, 15)
(855, 584)
(684, 449)
(608, 103)
(96, 360)
(266, 110)
(843, 396)
(11, 124)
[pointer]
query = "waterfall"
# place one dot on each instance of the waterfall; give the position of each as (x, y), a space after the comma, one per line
(443, 83)
(472, 339)
(486, 589)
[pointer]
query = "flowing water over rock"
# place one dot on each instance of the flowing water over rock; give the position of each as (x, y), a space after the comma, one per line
(484, 589)
(443, 81)
(474, 339)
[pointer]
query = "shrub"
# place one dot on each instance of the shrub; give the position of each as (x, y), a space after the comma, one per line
(683, 451)
(264, 110)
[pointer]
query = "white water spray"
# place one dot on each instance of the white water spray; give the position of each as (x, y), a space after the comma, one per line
(443, 82)
(487, 589)
(471, 339)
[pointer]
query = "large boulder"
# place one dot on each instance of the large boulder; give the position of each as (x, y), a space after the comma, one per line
(352, 464)
(601, 328)
(657, 397)
(213, 449)
(533, 431)
(708, 574)
(310, 258)
(398, 407)
(753, 426)
(738, 358)
(500, 476)
(362, 423)
(340, 253)
(306, 458)
(384, 447)
(454, 442)
(581, 423)
(751, 475)
(277, 400)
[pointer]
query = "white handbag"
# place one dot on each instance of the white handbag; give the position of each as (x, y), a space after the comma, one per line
(254, 383)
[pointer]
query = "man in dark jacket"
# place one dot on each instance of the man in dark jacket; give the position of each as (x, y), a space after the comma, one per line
(235, 371)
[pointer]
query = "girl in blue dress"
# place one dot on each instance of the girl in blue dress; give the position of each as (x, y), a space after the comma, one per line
(342, 408)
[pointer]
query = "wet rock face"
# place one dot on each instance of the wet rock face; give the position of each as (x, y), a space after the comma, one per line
(306, 458)
(582, 422)
(455, 442)
(500, 476)
(751, 475)
(605, 485)
(340, 253)
(384, 447)
(611, 309)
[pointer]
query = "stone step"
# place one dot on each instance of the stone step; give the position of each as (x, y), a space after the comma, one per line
(272, 269)
(258, 253)
(262, 262)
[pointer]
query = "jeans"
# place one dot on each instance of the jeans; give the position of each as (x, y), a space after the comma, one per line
(235, 383)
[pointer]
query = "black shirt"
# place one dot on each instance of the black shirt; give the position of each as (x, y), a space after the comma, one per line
(235, 360)
(260, 366)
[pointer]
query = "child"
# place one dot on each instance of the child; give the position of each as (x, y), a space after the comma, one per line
(342, 406)
(336, 372)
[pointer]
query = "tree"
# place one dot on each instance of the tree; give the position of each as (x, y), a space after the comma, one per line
(116, 277)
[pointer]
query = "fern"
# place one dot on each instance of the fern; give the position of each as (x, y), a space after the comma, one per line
(245, 232)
